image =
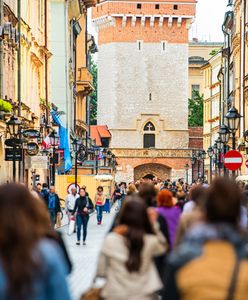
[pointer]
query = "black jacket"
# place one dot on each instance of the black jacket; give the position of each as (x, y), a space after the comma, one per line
(81, 203)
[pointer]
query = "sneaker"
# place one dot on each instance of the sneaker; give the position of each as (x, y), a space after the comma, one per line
(78, 243)
(98, 223)
(84, 243)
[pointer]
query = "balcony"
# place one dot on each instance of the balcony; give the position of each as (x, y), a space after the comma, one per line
(85, 82)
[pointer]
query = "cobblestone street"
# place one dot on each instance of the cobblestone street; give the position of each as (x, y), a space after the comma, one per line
(84, 258)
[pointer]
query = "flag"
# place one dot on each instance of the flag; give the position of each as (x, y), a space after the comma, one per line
(46, 142)
(64, 141)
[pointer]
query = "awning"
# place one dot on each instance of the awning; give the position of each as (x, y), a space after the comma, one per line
(97, 132)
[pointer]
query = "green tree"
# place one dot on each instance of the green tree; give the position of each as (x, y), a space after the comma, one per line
(93, 97)
(196, 110)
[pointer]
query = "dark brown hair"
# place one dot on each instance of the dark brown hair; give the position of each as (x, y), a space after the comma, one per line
(197, 194)
(148, 192)
(223, 202)
(23, 221)
(134, 215)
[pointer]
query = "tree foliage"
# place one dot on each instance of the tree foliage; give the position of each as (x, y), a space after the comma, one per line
(93, 97)
(196, 110)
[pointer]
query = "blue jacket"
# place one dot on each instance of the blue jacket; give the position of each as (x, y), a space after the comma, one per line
(50, 285)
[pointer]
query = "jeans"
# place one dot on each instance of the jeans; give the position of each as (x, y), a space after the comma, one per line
(119, 203)
(99, 211)
(53, 216)
(82, 220)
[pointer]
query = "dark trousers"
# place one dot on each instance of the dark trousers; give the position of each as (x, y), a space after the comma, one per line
(99, 211)
(82, 220)
(53, 216)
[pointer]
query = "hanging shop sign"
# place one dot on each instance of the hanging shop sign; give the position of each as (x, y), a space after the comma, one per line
(31, 133)
(13, 154)
(32, 149)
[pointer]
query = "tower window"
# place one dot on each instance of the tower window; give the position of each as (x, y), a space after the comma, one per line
(157, 6)
(175, 7)
(139, 44)
(139, 5)
(150, 97)
(149, 127)
(149, 141)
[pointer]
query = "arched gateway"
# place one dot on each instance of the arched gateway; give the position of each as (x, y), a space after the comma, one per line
(151, 170)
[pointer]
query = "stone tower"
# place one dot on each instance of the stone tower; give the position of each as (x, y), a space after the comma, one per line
(143, 82)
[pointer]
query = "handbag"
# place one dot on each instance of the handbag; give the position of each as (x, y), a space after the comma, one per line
(71, 226)
(233, 284)
(92, 294)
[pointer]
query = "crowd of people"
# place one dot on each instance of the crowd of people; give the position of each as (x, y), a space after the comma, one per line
(169, 240)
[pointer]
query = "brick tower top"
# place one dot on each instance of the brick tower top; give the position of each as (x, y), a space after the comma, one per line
(147, 20)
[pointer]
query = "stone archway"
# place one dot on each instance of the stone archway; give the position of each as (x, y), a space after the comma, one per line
(156, 170)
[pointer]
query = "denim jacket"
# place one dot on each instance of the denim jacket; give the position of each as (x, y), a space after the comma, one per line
(51, 283)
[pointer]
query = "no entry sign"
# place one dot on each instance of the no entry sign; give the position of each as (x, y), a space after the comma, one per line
(233, 160)
(246, 163)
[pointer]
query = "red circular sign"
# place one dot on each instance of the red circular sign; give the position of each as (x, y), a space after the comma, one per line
(246, 163)
(233, 160)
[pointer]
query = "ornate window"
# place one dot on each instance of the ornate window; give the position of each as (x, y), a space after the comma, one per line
(149, 135)
(149, 127)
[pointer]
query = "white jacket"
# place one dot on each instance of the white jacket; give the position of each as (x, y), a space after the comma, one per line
(121, 284)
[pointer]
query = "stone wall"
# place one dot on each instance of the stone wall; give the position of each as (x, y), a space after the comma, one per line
(136, 86)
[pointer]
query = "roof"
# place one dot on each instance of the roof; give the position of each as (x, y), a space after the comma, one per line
(97, 132)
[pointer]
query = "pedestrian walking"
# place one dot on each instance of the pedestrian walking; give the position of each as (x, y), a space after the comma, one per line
(100, 200)
(211, 262)
(83, 207)
(70, 202)
(53, 203)
(44, 193)
(32, 266)
(127, 256)
(170, 213)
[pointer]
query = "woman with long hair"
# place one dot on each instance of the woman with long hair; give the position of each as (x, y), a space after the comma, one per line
(31, 266)
(127, 256)
(100, 200)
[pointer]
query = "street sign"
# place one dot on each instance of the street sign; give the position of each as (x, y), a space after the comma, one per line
(31, 133)
(9, 154)
(32, 149)
(233, 160)
(246, 163)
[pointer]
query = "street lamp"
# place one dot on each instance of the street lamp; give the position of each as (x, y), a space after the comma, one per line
(224, 134)
(233, 122)
(203, 156)
(210, 152)
(54, 142)
(109, 157)
(104, 153)
(13, 126)
(193, 161)
(187, 173)
(76, 146)
(97, 153)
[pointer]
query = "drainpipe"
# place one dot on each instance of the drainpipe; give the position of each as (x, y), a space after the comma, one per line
(241, 84)
(244, 61)
(21, 163)
(1, 51)
(46, 64)
(67, 48)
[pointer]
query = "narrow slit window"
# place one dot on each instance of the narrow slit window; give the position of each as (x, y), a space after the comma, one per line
(157, 6)
(150, 97)
(175, 7)
(139, 5)
(139, 44)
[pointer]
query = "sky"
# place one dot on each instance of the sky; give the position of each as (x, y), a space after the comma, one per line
(209, 18)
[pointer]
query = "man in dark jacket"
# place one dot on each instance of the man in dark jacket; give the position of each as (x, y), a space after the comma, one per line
(83, 206)
(53, 205)
(44, 193)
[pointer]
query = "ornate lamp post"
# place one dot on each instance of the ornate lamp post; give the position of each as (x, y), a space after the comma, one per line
(109, 157)
(233, 119)
(224, 136)
(13, 126)
(203, 156)
(54, 142)
(97, 153)
(210, 152)
(193, 161)
(187, 173)
(76, 147)
(216, 157)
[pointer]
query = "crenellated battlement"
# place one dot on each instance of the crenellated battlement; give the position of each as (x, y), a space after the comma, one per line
(150, 21)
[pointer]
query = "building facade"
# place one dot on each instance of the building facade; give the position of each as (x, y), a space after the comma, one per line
(143, 76)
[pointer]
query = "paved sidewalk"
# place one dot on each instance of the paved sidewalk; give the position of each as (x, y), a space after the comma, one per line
(85, 258)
